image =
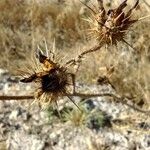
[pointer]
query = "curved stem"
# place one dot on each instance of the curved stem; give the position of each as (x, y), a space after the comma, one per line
(80, 56)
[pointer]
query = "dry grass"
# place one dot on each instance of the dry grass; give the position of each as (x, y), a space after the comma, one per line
(24, 25)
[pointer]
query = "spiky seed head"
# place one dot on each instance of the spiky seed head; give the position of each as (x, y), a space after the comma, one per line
(52, 78)
(110, 27)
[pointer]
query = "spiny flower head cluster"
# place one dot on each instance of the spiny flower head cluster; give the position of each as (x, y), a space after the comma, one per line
(110, 27)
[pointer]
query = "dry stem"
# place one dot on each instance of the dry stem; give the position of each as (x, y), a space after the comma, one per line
(122, 100)
(80, 56)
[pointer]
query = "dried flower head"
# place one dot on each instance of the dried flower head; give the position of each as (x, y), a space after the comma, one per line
(53, 79)
(111, 26)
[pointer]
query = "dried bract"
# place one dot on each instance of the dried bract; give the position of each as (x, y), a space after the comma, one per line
(110, 27)
(53, 80)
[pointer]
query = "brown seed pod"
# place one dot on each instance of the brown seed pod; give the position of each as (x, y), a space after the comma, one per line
(110, 27)
(53, 80)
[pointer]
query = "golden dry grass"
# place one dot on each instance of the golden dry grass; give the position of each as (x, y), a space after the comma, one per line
(24, 25)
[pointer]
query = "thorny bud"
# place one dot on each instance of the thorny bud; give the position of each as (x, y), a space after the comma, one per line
(53, 80)
(110, 27)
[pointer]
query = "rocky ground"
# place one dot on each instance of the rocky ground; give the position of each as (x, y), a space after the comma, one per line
(105, 125)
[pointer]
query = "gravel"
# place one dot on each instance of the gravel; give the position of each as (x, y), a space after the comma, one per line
(25, 126)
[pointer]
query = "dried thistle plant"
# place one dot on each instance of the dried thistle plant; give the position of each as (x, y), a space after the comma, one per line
(110, 27)
(53, 79)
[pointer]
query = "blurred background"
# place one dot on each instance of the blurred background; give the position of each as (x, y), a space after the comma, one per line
(25, 24)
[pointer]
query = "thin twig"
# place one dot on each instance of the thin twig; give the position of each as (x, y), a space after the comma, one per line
(136, 108)
(80, 56)
(21, 97)
(83, 95)
(93, 49)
